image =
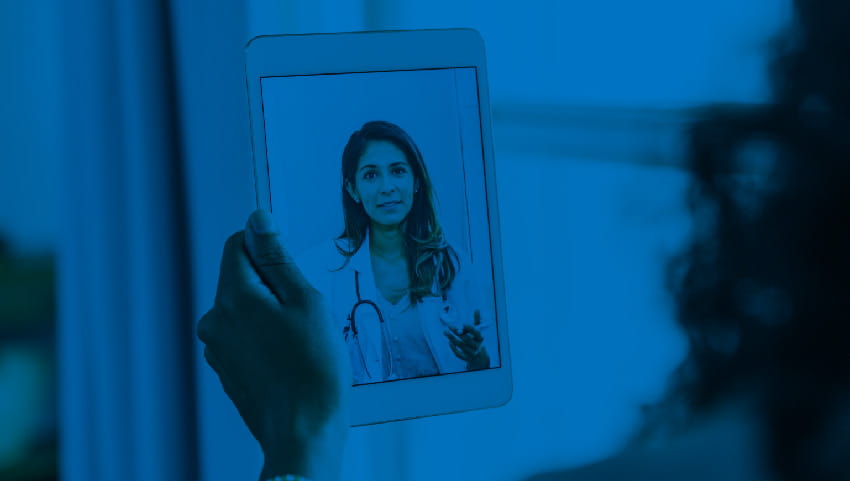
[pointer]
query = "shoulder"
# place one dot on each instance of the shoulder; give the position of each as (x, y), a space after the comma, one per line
(621, 467)
(637, 466)
(693, 456)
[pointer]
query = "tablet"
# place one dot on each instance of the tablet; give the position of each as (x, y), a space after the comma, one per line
(373, 152)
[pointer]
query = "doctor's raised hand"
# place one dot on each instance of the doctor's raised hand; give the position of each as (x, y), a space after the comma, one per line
(271, 341)
(467, 344)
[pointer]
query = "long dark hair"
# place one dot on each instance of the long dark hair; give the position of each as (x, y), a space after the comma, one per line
(763, 289)
(430, 258)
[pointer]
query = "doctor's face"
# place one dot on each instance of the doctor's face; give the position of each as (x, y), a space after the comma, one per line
(383, 183)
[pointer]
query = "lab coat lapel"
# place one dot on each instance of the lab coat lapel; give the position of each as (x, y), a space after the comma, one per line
(367, 321)
(361, 262)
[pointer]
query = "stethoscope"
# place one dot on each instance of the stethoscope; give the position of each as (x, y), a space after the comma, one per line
(351, 328)
(352, 322)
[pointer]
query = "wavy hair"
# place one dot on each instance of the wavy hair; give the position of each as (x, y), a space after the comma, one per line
(763, 288)
(431, 261)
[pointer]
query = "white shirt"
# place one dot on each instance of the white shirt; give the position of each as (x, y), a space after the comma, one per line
(409, 354)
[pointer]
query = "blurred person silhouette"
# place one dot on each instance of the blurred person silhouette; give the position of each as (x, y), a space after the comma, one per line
(762, 292)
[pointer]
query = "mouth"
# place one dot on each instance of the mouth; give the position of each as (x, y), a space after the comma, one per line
(389, 204)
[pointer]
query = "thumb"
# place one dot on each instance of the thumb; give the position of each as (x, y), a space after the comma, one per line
(273, 263)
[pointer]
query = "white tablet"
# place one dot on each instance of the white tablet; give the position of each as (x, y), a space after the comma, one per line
(373, 152)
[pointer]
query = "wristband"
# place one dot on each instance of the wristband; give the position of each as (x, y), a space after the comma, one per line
(288, 477)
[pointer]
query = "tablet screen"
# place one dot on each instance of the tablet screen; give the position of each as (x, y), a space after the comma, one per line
(377, 182)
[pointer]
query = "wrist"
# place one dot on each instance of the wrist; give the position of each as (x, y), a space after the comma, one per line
(314, 453)
(481, 361)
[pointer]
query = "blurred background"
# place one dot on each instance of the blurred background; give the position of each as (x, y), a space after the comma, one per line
(125, 127)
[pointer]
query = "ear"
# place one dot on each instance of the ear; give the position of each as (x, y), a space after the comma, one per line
(351, 192)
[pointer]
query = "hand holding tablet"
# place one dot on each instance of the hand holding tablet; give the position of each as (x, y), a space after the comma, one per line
(269, 340)
(373, 154)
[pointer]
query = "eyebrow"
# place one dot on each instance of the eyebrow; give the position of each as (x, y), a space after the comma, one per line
(394, 164)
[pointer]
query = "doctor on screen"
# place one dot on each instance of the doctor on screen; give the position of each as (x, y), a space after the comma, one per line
(395, 286)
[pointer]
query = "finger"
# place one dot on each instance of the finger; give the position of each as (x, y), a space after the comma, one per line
(272, 261)
(208, 356)
(214, 363)
(468, 348)
(476, 316)
(473, 332)
(453, 336)
(473, 347)
(235, 273)
(206, 328)
(459, 353)
(220, 368)
(454, 340)
(233, 390)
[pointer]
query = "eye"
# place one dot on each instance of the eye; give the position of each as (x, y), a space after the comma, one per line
(399, 170)
(369, 175)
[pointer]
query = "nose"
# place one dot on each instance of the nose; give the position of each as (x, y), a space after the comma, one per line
(387, 185)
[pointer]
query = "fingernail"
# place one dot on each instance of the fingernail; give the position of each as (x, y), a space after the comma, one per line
(262, 222)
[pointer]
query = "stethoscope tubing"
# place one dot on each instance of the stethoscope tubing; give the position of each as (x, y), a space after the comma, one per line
(352, 321)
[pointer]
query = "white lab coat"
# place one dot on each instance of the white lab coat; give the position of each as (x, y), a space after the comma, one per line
(321, 266)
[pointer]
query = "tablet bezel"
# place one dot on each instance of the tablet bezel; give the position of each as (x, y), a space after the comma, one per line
(313, 54)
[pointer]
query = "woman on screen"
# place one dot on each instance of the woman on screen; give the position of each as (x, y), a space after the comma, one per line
(393, 281)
